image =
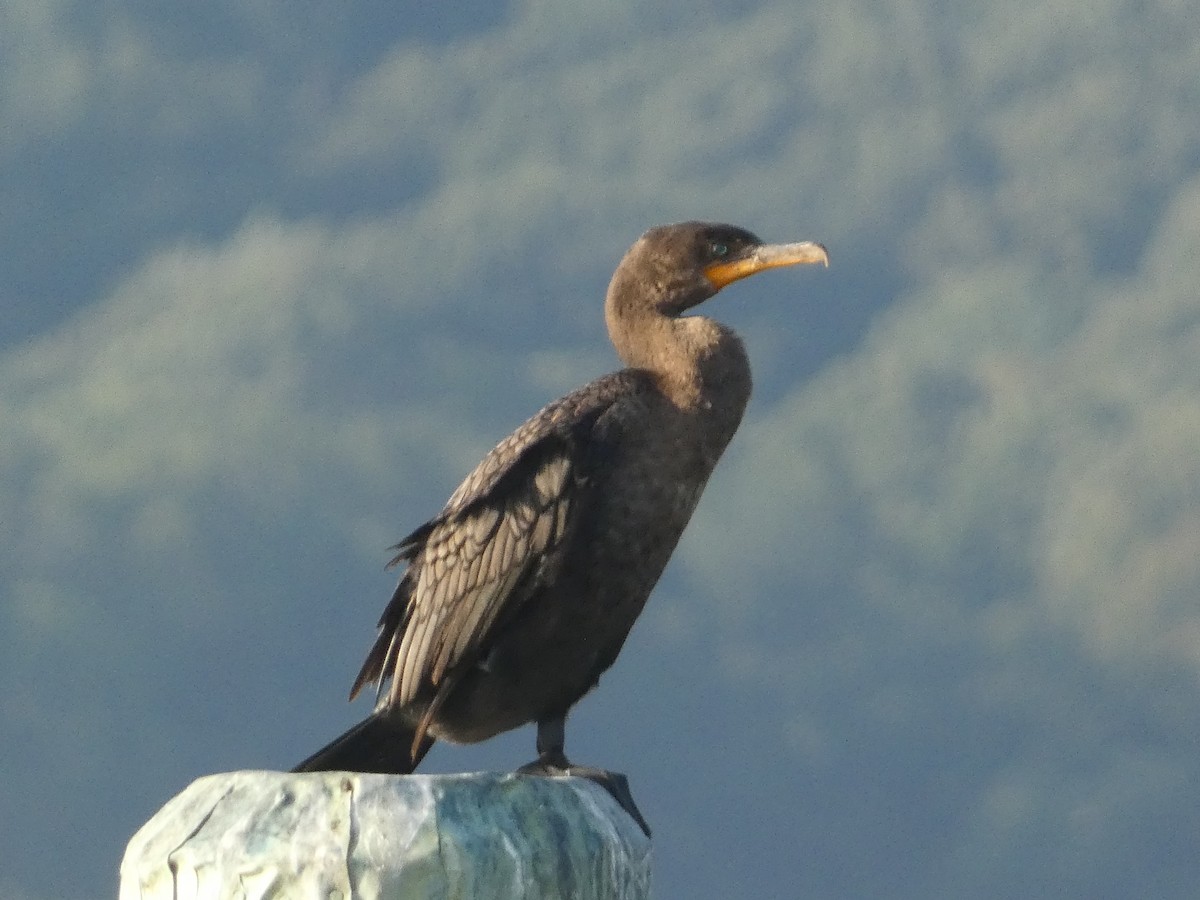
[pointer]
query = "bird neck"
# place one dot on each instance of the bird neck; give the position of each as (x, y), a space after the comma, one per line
(697, 362)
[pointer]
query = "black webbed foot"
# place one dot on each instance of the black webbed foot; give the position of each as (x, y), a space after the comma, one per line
(556, 764)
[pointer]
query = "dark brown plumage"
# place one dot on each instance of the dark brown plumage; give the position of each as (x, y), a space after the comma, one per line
(521, 592)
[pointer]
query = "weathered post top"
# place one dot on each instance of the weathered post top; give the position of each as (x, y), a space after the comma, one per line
(352, 836)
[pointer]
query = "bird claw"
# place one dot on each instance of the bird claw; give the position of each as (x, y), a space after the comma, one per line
(553, 765)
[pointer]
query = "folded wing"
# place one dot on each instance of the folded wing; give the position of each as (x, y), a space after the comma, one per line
(502, 534)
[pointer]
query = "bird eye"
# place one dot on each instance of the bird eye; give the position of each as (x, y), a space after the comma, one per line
(718, 249)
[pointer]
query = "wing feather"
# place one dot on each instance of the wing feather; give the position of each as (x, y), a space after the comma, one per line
(498, 538)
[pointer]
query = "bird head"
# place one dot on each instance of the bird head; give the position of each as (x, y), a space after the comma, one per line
(676, 267)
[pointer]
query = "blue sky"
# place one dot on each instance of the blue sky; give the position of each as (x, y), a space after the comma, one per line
(274, 281)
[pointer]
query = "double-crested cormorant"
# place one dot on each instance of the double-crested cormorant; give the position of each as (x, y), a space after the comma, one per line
(520, 593)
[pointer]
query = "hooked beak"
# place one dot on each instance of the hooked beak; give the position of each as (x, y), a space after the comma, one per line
(764, 256)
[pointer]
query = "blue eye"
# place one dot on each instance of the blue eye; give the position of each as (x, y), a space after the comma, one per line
(718, 249)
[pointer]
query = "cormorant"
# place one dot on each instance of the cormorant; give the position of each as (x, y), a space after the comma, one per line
(518, 595)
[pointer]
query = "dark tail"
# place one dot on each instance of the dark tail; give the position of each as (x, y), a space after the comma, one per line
(378, 743)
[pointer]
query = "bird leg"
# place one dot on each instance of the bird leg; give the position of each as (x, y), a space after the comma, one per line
(552, 761)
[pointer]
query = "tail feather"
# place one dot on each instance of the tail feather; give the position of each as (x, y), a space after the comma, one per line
(378, 743)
